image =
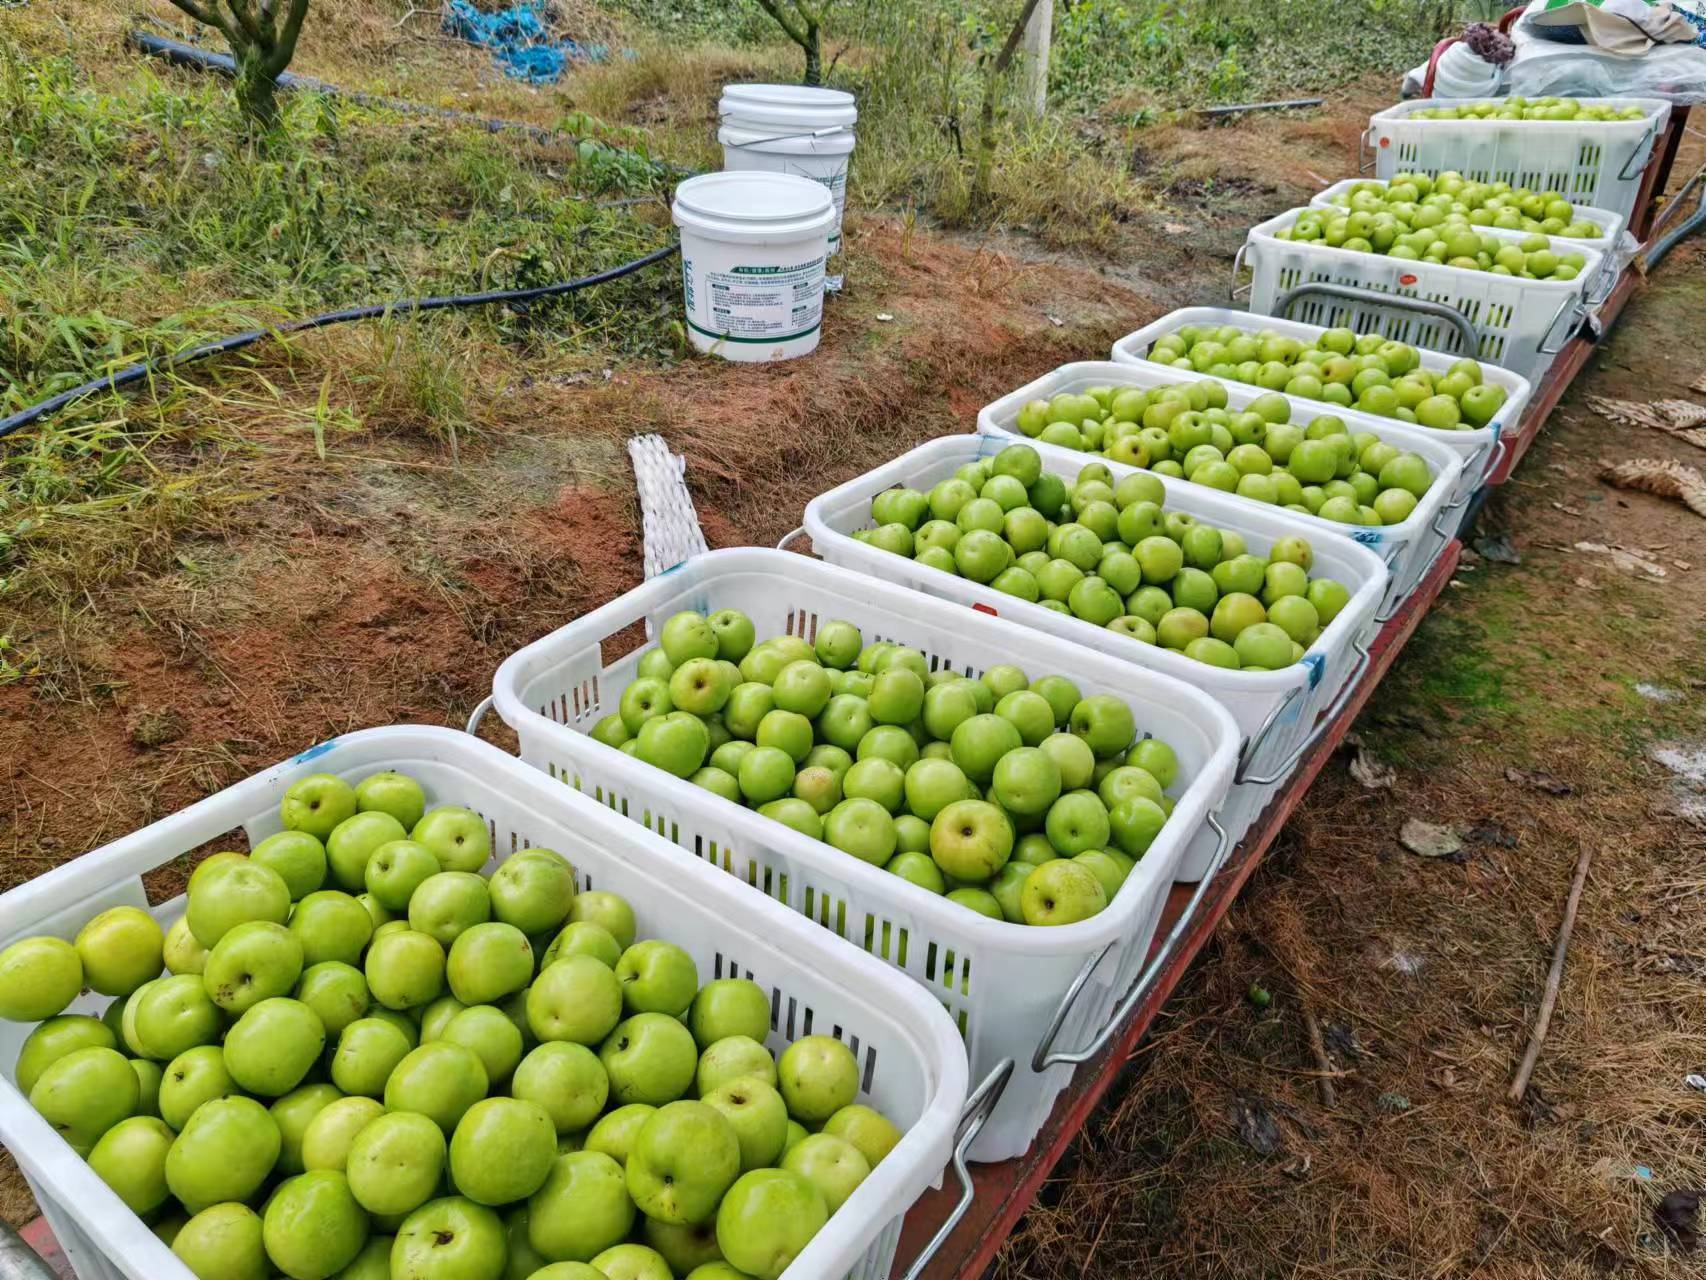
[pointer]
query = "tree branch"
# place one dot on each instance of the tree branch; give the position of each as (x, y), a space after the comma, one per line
(986, 121)
(1005, 58)
(245, 19)
(208, 14)
(268, 24)
(285, 50)
(794, 33)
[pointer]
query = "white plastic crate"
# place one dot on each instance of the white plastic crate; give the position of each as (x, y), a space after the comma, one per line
(1275, 710)
(1408, 549)
(1609, 220)
(913, 1066)
(1595, 162)
(1478, 449)
(1521, 323)
(1005, 984)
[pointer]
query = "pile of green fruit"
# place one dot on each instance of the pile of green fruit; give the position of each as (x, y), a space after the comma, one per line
(1430, 234)
(424, 1073)
(1109, 555)
(1516, 108)
(1365, 372)
(1022, 800)
(1185, 430)
(1484, 204)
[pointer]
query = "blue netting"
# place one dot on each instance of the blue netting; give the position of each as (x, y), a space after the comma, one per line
(518, 39)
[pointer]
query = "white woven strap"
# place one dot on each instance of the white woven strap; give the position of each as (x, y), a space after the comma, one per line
(670, 523)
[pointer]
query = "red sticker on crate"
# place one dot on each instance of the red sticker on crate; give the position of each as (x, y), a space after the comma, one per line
(1406, 279)
(1386, 142)
(983, 608)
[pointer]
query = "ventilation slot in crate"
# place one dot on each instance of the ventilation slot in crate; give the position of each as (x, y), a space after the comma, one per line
(801, 623)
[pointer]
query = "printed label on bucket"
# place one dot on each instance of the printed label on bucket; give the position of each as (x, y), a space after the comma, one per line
(758, 304)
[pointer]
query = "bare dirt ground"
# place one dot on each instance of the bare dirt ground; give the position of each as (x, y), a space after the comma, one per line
(386, 582)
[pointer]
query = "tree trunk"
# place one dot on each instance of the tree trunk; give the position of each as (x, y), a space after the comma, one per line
(257, 92)
(813, 45)
(986, 124)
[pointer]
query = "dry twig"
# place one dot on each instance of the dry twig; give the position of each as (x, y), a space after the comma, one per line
(1318, 1051)
(1554, 977)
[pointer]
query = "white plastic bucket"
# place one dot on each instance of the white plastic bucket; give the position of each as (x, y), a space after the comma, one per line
(790, 128)
(753, 247)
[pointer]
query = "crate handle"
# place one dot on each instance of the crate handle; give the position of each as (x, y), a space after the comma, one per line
(789, 537)
(1356, 293)
(1236, 290)
(1044, 1057)
(972, 1119)
(1327, 718)
(1365, 150)
(1641, 153)
(1448, 508)
(479, 714)
(1601, 289)
(1247, 757)
(1501, 447)
(1475, 457)
(1568, 330)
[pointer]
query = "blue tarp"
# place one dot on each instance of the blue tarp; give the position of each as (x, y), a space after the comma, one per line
(518, 39)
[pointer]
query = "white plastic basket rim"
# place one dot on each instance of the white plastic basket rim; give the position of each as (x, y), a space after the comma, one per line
(1263, 232)
(996, 419)
(1609, 221)
(1202, 796)
(129, 1244)
(1132, 349)
(1182, 495)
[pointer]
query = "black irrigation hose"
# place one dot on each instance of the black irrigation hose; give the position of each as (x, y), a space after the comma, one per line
(179, 54)
(187, 55)
(407, 306)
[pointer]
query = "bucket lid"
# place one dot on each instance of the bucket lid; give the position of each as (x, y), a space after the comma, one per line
(801, 106)
(753, 201)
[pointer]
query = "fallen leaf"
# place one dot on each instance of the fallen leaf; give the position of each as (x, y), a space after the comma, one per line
(1368, 771)
(1497, 547)
(1624, 560)
(1429, 839)
(1664, 477)
(1341, 1041)
(1491, 833)
(1676, 1213)
(1255, 1126)
(1539, 779)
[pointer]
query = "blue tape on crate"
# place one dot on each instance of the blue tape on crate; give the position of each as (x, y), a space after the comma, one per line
(1369, 537)
(314, 752)
(1316, 664)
